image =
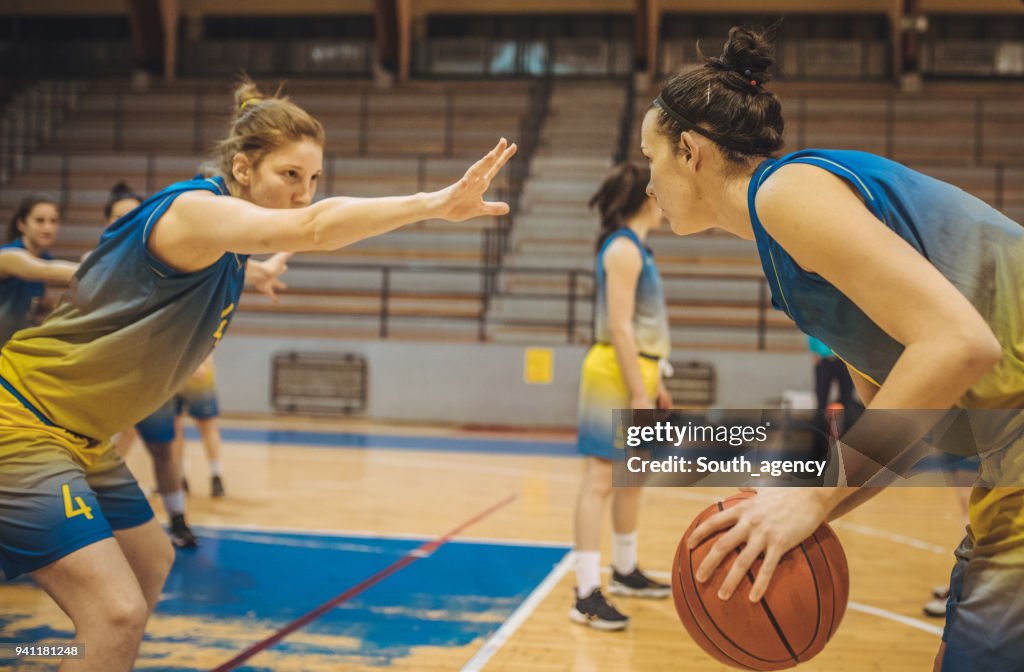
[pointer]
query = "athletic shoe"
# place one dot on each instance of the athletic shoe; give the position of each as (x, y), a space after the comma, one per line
(595, 610)
(940, 592)
(637, 584)
(216, 487)
(181, 534)
(935, 608)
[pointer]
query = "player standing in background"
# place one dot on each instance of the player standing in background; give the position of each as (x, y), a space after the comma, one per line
(621, 370)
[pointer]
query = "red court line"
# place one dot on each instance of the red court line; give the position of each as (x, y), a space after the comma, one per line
(412, 556)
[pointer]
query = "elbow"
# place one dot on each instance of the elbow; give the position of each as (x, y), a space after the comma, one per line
(979, 352)
(620, 335)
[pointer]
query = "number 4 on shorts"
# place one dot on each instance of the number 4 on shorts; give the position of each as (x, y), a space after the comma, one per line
(69, 509)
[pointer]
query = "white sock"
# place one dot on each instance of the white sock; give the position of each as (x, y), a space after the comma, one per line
(624, 552)
(588, 572)
(174, 503)
(214, 467)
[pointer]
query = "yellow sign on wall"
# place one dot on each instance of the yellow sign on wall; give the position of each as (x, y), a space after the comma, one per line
(539, 366)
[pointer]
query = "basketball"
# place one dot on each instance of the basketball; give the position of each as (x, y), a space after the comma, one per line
(798, 615)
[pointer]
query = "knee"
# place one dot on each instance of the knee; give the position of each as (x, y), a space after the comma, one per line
(598, 483)
(122, 617)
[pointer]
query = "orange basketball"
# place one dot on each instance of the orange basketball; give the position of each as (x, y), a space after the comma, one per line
(800, 612)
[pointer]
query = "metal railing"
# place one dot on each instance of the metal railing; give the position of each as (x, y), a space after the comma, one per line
(30, 120)
(575, 323)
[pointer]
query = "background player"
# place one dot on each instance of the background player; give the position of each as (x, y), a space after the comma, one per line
(26, 265)
(621, 370)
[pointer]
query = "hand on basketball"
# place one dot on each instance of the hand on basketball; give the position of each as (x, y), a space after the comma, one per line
(465, 199)
(768, 525)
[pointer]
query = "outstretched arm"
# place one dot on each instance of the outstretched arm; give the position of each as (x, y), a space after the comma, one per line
(199, 227)
(21, 264)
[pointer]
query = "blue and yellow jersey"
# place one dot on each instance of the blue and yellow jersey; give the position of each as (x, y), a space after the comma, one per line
(130, 332)
(17, 297)
(650, 315)
(978, 249)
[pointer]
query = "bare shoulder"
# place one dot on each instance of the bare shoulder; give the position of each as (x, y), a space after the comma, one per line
(799, 195)
(622, 250)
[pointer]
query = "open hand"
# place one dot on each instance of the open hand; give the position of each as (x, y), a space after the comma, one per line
(464, 199)
(265, 275)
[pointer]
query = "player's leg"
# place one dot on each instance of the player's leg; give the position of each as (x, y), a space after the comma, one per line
(627, 578)
(209, 435)
(157, 432)
(97, 589)
(203, 408)
(52, 526)
(142, 540)
(591, 607)
(178, 448)
(601, 390)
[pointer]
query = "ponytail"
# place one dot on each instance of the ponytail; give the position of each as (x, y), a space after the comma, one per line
(622, 194)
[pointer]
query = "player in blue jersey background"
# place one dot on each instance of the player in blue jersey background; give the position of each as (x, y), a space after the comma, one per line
(26, 265)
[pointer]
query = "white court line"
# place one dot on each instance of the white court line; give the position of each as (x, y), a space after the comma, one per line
(509, 627)
(893, 537)
(891, 616)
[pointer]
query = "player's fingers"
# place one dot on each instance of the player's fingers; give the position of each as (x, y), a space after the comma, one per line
(483, 166)
(722, 547)
(494, 208)
(772, 556)
(740, 567)
(719, 521)
(509, 152)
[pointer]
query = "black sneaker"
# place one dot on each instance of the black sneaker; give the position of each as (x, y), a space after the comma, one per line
(216, 487)
(637, 584)
(181, 535)
(595, 610)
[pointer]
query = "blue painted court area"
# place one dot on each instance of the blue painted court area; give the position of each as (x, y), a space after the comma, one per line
(241, 586)
(361, 440)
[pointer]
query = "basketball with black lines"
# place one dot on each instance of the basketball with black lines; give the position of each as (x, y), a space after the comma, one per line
(791, 624)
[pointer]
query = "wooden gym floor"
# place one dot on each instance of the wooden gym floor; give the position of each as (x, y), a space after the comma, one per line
(314, 508)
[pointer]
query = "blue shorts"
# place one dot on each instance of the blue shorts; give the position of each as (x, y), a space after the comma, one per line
(51, 505)
(158, 427)
(985, 613)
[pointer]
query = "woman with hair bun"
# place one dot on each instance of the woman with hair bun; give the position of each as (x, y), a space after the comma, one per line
(916, 285)
(149, 305)
(621, 370)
